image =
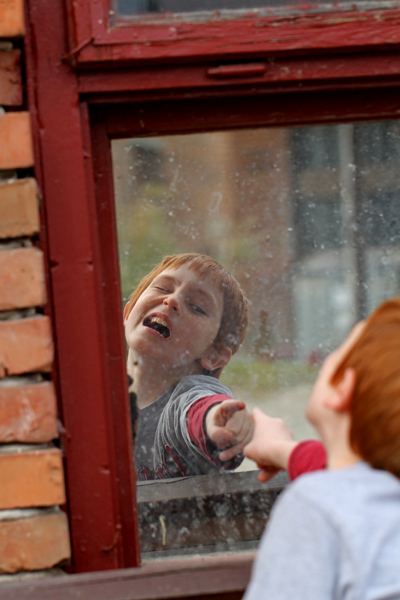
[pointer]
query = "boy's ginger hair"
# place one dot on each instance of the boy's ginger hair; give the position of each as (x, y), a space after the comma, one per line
(375, 405)
(234, 320)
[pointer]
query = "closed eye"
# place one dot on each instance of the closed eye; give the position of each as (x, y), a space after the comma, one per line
(198, 309)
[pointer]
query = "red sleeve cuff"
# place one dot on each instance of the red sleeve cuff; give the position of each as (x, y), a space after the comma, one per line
(307, 456)
(197, 432)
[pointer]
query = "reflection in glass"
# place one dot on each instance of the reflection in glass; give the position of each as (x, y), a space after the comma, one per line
(307, 219)
(133, 7)
(140, 7)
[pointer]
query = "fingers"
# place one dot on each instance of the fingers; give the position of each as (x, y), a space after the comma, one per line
(230, 426)
(241, 441)
(249, 449)
(264, 439)
(265, 476)
(257, 413)
(230, 407)
(232, 451)
(223, 438)
(270, 427)
(228, 454)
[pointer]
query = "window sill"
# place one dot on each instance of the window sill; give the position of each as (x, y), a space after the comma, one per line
(208, 513)
(223, 577)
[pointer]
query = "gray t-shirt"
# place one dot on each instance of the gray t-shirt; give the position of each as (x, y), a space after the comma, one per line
(163, 447)
(332, 534)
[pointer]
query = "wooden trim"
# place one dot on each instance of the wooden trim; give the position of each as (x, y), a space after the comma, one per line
(281, 75)
(272, 36)
(104, 232)
(101, 507)
(220, 112)
(197, 578)
(72, 165)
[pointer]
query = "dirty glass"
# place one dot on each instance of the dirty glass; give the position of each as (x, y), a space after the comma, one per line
(306, 218)
(213, 8)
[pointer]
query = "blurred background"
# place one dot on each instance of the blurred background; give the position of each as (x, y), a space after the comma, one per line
(306, 218)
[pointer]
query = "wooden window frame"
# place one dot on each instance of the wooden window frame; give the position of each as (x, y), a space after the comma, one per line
(96, 37)
(213, 577)
(83, 95)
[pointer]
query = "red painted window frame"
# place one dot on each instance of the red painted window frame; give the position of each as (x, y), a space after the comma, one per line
(130, 118)
(96, 38)
(77, 104)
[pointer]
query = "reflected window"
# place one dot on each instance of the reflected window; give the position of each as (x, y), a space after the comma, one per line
(305, 218)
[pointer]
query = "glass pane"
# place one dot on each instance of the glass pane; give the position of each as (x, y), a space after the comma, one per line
(307, 219)
(141, 7)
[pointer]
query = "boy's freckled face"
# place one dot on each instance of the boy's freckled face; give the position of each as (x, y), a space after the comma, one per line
(176, 319)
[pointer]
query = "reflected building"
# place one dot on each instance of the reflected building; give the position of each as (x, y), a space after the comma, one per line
(346, 202)
(306, 218)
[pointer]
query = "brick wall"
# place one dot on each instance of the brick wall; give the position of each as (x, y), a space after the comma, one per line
(33, 529)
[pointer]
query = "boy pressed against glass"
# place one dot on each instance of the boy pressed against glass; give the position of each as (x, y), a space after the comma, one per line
(335, 533)
(182, 325)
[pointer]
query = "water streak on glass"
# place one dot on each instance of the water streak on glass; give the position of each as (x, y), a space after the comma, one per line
(306, 218)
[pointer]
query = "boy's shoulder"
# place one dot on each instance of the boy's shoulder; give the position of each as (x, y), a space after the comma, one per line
(200, 385)
(359, 483)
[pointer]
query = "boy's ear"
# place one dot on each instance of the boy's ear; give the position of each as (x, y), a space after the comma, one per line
(341, 399)
(126, 312)
(217, 359)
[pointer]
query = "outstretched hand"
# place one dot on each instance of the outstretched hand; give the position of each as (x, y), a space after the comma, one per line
(271, 445)
(230, 426)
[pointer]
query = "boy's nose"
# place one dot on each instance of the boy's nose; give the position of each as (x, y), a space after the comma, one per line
(172, 303)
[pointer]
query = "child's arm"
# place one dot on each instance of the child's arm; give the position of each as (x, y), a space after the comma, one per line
(273, 448)
(230, 427)
(196, 427)
(307, 456)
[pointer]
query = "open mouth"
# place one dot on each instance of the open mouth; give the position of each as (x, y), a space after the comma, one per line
(158, 325)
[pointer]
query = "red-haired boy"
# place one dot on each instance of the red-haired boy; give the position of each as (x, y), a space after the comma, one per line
(335, 533)
(182, 324)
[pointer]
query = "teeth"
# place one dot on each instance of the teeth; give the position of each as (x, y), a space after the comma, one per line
(159, 321)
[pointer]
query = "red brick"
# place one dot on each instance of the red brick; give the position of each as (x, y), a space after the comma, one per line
(19, 208)
(12, 18)
(16, 151)
(33, 478)
(22, 282)
(28, 413)
(25, 346)
(10, 78)
(34, 543)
